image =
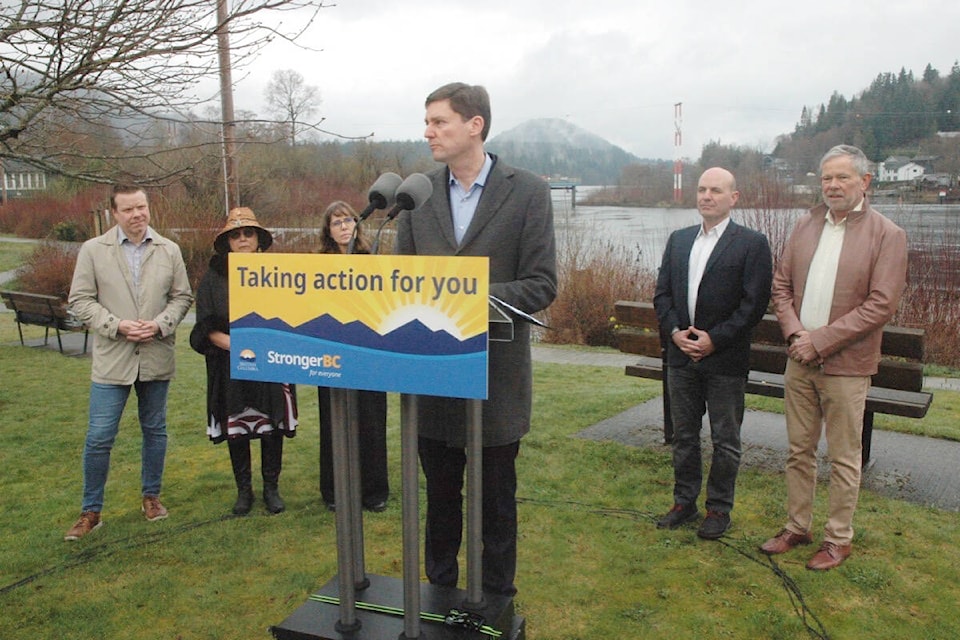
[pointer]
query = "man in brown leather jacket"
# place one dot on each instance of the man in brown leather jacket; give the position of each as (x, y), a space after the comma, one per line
(838, 283)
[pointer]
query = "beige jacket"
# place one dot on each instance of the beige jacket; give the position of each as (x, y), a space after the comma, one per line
(871, 277)
(102, 295)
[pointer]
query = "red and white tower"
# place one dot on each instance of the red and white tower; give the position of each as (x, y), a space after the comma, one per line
(677, 158)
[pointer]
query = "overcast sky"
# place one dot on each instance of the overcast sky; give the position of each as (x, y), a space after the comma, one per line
(743, 70)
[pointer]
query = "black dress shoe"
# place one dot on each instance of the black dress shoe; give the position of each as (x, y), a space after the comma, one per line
(714, 525)
(680, 514)
(331, 506)
(376, 507)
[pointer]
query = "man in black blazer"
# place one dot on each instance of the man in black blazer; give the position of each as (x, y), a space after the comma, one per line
(480, 206)
(712, 289)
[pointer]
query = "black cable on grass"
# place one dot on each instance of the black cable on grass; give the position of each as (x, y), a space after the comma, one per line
(809, 619)
(790, 586)
(106, 550)
(112, 548)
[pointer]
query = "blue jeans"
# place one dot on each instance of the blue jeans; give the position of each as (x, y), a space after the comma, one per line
(694, 392)
(106, 407)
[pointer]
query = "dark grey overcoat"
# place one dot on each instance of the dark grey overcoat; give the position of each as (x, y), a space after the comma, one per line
(513, 226)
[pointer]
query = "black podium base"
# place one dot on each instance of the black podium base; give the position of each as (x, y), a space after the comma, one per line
(320, 621)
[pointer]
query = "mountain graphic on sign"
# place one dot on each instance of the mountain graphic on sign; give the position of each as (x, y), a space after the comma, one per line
(414, 337)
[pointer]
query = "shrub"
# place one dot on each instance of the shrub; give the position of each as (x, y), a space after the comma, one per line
(49, 269)
(592, 277)
(931, 300)
(38, 216)
(68, 231)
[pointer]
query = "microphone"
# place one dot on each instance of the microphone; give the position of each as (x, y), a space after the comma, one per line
(411, 193)
(382, 194)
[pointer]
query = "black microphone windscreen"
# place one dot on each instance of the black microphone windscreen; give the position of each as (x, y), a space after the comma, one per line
(383, 192)
(414, 191)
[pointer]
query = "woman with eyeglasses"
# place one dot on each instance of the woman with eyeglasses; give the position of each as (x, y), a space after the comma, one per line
(239, 411)
(338, 226)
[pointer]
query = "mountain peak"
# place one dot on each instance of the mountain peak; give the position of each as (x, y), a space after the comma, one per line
(552, 131)
(554, 147)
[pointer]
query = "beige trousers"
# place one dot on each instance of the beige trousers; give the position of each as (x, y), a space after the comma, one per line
(813, 401)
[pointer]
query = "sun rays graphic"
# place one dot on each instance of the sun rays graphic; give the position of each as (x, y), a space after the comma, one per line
(382, 292)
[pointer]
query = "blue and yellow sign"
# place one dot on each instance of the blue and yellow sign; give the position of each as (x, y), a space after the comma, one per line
(411, 324)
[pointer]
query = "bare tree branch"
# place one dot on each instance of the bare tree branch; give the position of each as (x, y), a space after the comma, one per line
(95, 89)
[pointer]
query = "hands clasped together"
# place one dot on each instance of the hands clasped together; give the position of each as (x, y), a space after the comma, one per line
(801, 350)
(696, 343)
(139, 330)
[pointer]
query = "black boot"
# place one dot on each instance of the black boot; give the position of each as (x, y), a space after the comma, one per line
(240, 458)
(271, 457)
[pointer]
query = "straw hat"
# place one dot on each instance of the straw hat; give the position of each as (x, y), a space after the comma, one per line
(239, 218)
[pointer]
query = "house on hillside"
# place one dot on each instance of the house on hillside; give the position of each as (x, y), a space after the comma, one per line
(18, 179)
(926, 162)
(901, 169)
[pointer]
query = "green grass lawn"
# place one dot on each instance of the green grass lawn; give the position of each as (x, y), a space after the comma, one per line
(592, 563)
(12, 254)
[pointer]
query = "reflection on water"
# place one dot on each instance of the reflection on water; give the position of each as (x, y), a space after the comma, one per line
(933, 228)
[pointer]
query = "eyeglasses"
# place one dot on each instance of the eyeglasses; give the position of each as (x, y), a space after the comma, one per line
(342, 222)
(247, 232)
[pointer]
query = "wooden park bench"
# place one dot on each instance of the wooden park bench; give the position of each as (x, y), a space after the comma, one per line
(896, 389)
(45, 311)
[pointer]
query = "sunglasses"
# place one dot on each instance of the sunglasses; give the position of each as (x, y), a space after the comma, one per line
(247, 232)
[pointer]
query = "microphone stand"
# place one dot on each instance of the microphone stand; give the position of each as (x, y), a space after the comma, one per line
(376, 240)
(353, 237)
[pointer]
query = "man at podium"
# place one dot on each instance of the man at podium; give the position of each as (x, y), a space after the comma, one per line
(480, 206)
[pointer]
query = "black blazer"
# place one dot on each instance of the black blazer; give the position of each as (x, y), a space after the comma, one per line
(732, 298)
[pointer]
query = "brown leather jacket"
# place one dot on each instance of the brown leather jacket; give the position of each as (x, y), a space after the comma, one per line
(871, 277)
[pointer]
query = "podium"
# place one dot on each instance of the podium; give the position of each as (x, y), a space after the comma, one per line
(355, 605)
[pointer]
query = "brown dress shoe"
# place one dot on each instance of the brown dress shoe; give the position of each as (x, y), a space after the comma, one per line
(829, 556)
(153, 509)
(89, 521)
(784, 541)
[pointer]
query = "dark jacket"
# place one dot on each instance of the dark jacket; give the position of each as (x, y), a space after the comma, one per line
(513, 226)
(226, 397)
(731, 300)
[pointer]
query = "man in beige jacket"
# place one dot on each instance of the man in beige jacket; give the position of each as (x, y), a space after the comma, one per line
(130, 288)
(838, 283)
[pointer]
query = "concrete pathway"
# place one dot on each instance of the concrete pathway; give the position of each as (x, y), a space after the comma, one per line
(914, 468)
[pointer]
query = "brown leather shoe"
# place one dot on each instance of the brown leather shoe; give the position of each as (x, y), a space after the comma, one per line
(88, 522)
(152, 508)
(784, 541)
(829, 556)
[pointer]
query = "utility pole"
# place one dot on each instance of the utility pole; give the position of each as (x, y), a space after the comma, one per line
(677, 157)
(230, 182)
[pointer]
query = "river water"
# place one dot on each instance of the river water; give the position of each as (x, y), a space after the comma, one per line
(643, 231)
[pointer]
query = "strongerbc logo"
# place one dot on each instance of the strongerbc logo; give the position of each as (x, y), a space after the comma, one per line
(248, 360)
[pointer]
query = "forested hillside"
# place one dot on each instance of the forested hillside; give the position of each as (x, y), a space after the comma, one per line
(897, 113)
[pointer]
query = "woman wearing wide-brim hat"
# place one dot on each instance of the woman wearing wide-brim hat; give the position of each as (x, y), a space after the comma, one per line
(239, 411)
